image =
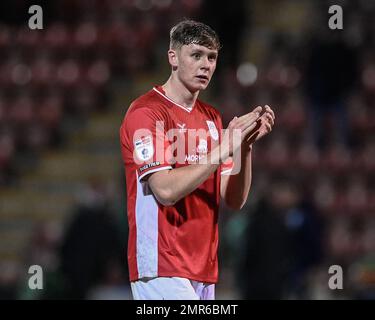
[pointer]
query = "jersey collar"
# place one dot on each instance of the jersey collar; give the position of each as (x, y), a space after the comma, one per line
(161, 92)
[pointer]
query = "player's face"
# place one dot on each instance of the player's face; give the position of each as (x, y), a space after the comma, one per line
(195, 66)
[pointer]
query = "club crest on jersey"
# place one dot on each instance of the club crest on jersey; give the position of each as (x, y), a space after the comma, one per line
(213, 131)
(144, 148)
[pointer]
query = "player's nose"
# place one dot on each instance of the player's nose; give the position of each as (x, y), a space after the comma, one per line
(206, 63)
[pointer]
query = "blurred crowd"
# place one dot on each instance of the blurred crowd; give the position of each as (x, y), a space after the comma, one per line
(312, 202)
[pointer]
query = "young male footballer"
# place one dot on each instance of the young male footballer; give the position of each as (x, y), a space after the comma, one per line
(179, 162)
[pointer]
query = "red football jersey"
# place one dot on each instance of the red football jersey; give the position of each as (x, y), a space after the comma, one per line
(180, 240)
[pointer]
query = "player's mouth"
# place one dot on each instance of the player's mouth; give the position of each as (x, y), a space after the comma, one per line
(203, 78)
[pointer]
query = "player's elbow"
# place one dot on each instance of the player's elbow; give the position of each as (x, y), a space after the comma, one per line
(165, 197)
(162, 189)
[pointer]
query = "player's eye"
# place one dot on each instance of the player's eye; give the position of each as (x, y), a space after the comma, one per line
(212, 58)
(196, 55)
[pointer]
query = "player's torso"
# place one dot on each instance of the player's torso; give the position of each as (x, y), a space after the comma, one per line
(189, 228)
(192, 135)
(187, 232)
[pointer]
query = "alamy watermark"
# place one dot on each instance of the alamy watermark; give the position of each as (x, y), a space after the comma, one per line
(336, 281)
(36, 20)
(336, 21)
(36, 279)
(181, 145)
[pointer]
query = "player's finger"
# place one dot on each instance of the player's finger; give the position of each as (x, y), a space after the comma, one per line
(250, 128)
(249, 118)
(258, 110)
(269, 110)
(267, 118)
(269, 127)
(253, 114)
(270, 119)
(232, 124)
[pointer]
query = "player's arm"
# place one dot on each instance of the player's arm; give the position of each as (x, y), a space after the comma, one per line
(170, 186)
(234, 189)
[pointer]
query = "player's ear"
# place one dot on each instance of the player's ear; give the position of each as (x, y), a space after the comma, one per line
(172, 57)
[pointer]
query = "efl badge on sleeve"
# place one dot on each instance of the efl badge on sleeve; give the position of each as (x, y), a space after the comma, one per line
(213, 130)
(144, 148)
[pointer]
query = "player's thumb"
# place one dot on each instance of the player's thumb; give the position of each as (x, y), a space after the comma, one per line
(258, 110)
(233, 123)
(256, 113)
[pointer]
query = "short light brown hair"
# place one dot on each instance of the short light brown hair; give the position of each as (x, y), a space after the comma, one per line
(189, 31)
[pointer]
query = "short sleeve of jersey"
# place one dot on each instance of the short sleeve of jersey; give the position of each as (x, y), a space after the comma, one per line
(226, 167)
(143, 132)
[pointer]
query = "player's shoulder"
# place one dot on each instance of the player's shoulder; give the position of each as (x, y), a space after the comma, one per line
(149, 100)
(148, 103)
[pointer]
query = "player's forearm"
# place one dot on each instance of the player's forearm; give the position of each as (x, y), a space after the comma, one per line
(171, 186)
(238, 186)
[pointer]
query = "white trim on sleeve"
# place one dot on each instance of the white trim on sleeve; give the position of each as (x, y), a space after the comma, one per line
(225, 172)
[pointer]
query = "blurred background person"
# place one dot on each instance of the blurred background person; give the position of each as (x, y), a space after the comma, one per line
(282, 244)
(331, 76)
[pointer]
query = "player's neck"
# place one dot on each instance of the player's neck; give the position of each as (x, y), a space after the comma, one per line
(177, 92)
